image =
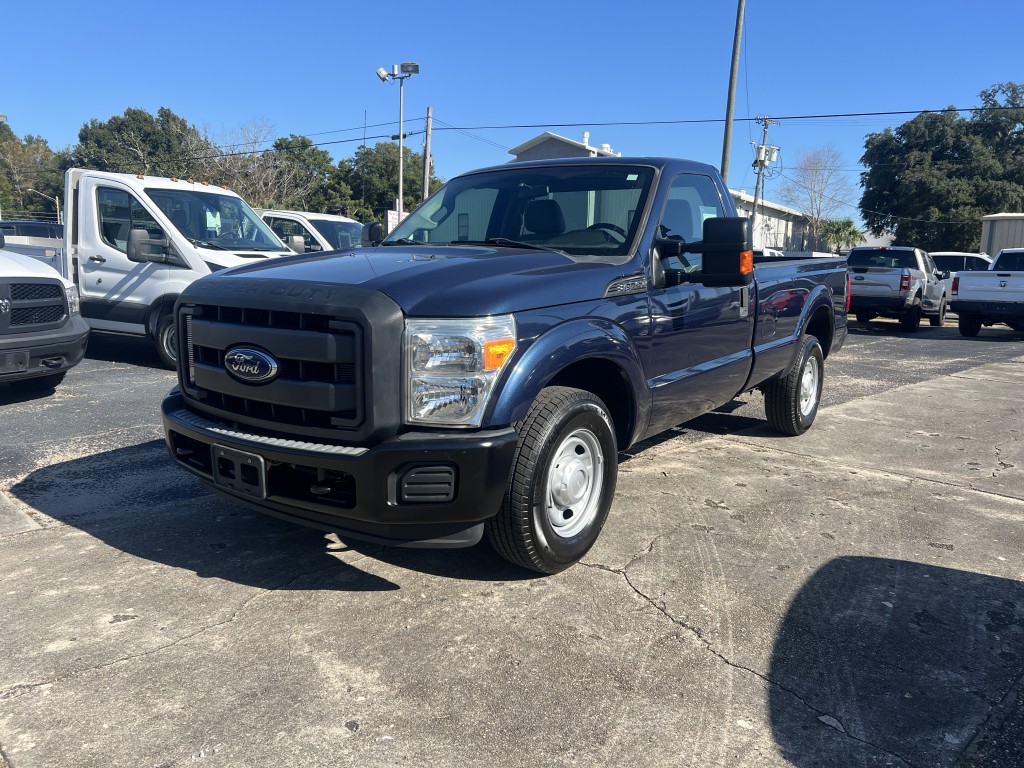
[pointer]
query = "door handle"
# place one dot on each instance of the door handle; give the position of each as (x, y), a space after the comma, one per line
(97, 259)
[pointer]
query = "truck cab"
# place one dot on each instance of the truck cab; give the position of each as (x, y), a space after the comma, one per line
(128, 284)
(309, 232)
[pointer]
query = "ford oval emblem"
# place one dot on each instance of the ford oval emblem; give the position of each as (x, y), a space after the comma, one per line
(249, 365)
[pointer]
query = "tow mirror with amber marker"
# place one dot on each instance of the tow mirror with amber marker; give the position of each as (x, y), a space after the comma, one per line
(728, 252)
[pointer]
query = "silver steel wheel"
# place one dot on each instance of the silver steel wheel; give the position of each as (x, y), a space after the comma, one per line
(169, 341)
(574, 484)
(810, 380)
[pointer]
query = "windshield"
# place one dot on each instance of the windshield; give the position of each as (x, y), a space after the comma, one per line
(340, 234)
(213, 220)
(579, 210)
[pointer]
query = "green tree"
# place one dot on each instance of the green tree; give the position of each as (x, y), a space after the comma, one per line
(138, 142)
(372, 176)
(27, 165)
(840, 234)
(931, 180)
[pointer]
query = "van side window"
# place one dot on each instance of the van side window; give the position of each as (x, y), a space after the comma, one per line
(692, 198)
(120, 212)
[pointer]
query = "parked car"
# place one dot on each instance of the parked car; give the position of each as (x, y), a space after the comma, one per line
(42, 333)
(479, 370)
(28, 228)
(993, 296)
(955, 262)
(42, 240)
(318, 231)
(898, 282)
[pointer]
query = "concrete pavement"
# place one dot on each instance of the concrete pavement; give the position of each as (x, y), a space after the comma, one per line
(851, 597)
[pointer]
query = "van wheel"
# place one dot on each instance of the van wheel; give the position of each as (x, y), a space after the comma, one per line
(791, 401)
(911, 320)
(562, 483)
(969, 325)
(166, 341)
(939, 319)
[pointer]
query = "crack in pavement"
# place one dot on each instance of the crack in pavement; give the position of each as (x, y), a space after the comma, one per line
(21, 688)
(824, 717)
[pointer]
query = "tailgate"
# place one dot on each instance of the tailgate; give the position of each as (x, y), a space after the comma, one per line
(990, 286)
(875, 281)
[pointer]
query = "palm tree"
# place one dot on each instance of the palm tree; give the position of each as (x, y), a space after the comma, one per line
(838, 234)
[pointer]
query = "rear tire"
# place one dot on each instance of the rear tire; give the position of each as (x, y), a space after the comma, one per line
(562, 483)
(791, 401)
(166, 341)
(911, 320)
(864, 317)
(969, 325)
(940, 319)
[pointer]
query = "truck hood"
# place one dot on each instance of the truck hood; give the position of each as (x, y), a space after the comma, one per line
(448, 281)
(236, 258)
(19, 265)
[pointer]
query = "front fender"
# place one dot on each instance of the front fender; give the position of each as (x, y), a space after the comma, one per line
(558, 349)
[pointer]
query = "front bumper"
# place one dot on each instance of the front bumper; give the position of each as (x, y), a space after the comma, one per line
(49, 352)
(430, 489)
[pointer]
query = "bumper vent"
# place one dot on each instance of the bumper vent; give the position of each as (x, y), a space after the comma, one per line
(428, 485)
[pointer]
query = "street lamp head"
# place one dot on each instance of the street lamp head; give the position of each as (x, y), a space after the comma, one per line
(410, 68)
(382, 74)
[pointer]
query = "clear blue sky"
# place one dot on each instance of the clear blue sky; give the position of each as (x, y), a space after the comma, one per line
(308, 68)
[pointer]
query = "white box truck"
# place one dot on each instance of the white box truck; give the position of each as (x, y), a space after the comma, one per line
(132, 243)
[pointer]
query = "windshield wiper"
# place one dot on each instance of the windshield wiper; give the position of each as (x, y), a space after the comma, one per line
(206, 244)
(507, 243)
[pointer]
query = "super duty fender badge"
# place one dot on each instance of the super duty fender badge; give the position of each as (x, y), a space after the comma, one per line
(249, 365)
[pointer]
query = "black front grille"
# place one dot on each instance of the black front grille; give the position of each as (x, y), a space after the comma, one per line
(31, 306)
(318, 389)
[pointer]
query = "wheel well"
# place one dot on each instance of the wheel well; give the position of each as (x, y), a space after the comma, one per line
(158, 310)
(606, 380)
(822, 327)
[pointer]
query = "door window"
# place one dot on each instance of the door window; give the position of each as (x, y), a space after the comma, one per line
(691, 199)
(119, 213)
(285, 228)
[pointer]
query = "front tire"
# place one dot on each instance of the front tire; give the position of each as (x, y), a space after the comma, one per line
(791, 401)
(969, 325)
(562, 484)
(939, 320)
(166, 341)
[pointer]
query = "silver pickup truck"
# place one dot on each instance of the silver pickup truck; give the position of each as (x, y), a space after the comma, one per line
(898, 282)
(993, 296)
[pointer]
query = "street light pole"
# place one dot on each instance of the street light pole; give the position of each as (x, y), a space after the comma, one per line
(401, 73)
(55, 200)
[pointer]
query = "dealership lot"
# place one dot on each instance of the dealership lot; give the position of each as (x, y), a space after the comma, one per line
(854, 596)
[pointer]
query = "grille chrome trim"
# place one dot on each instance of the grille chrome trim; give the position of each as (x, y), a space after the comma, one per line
(198, 422)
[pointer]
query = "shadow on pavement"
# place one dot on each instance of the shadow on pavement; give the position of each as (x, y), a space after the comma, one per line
(895, 660)
(137, 501)
(123, 349)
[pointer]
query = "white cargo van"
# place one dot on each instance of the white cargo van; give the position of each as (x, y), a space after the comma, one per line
(319, 231)
(132, 243)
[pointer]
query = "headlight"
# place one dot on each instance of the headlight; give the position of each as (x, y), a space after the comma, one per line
(451, 367)
(72, 293)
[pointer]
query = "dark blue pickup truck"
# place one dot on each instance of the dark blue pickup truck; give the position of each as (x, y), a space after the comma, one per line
(479, 369)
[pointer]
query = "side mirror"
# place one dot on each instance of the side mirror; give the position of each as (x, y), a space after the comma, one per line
(944, 274)
(728, 252)
(142, 248)
(296, 243)
(373, 233)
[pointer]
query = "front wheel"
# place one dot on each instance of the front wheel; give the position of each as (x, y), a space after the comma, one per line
(791, 401)
(939, 319)
(166, 341)
(562, 484)
(969, 325)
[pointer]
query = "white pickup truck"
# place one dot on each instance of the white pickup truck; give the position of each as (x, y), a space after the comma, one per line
(993, 296)
(899, 282)
(42, 334)
(309, 232)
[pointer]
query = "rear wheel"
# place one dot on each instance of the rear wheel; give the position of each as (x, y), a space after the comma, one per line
(969, 325)
(911, 320)
(166, 341)
(562, 483)
(939, 319)
(791, 402)
(864, 317)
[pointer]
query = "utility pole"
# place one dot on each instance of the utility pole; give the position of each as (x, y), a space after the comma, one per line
(426, 153)
(765, 154)
(737, 39)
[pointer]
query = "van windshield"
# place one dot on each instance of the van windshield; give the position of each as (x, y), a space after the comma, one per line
(212, 220)
(578, 210)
